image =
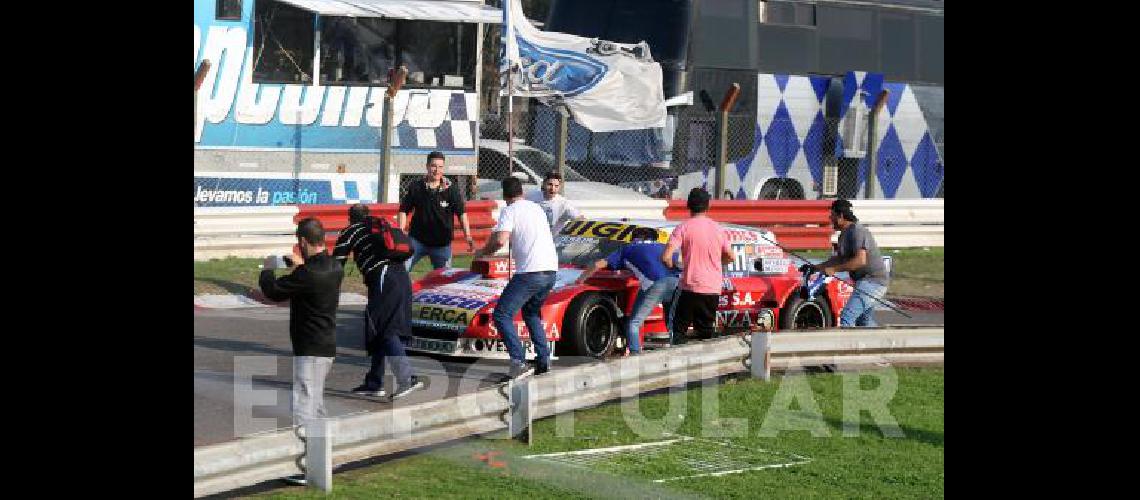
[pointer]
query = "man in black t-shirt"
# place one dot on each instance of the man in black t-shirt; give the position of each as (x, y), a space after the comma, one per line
(433, 202)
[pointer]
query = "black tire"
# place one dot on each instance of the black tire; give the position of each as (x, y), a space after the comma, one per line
(799, 314)
(590, 327)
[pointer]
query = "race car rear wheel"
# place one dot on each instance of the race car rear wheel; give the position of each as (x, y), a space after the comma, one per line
(800, 314)
(591, 326)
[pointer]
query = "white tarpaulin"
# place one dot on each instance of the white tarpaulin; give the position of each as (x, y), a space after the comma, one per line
(426, 10)
(607, 86)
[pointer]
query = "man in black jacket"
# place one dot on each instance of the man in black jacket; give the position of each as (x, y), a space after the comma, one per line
(433, 203)
(313, 290)
(389, 312)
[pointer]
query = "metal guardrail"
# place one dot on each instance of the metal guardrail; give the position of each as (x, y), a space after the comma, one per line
(254, 459)
(243, 231)
(904, 223)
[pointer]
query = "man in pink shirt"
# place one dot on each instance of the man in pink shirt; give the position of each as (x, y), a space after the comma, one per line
(704, 250)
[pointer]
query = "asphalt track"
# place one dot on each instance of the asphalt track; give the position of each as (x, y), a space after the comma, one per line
(256, 340)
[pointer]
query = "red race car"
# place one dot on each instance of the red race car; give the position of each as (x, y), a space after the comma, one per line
(451, 308)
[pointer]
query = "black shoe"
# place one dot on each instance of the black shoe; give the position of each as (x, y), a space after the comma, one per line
(364, 390)
(414, 385)
(298, 480)
(540, 369)
(520, 370)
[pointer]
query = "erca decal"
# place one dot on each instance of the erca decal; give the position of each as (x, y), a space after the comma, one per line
(442, 317)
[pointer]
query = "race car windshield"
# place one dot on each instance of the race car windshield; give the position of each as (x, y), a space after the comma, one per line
(580, 251)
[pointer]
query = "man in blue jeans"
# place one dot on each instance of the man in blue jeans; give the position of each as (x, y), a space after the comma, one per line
(523, 225)
(857, 253)
(642, 256)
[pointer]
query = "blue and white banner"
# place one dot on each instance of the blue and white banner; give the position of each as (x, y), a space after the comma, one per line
(235, 189)
(607, 86)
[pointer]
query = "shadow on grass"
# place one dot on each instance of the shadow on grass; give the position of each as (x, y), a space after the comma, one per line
(911, 433)
(228, 286)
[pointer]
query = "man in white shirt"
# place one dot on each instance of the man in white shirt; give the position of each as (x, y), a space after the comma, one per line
(556, 206)
(524, 225)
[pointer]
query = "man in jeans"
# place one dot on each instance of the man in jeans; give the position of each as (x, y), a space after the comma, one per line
(704, 250)
(857, 253)
(656, 282)
(388, 314)
(313, 291)
(433, 202)
(523, 224)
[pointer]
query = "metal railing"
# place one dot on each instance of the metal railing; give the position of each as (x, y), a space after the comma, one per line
(254, 459)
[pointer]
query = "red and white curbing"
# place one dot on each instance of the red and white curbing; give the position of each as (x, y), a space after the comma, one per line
(234, 301)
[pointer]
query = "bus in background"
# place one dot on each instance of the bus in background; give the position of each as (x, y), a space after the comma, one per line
(291, 107)
(801, 65)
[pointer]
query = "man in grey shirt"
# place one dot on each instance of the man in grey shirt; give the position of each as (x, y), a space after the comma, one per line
(858, 254)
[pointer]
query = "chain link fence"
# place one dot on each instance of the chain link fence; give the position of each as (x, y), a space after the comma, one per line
(775, 158)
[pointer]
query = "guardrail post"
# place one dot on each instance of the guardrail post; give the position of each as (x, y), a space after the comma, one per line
(318, 454)
(521, 407)
(761, 355)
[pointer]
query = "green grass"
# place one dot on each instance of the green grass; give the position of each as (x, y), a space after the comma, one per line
(239, 276)
(868, 465)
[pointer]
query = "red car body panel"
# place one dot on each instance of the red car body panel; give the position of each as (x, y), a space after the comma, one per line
(460, 301)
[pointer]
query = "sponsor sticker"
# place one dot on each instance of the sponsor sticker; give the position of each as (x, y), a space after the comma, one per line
(616, 231)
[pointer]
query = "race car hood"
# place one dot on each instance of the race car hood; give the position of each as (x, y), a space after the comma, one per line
(454, 306)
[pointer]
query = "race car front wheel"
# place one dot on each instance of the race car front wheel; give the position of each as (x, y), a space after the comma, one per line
(800, 314)
(591, 326)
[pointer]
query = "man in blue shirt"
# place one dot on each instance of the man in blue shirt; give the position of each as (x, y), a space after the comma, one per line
(658, 283)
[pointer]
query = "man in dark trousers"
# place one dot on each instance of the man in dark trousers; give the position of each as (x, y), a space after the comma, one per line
(704, 251)
(434, 203)
(313, 291)
(857, 253)
(389, 311)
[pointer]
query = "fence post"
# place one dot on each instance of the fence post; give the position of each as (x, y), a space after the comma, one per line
(761, 355)
(872, 151)
(318, 454)
(521, 407)
(562, 131)
(395, 81)
(722, 137)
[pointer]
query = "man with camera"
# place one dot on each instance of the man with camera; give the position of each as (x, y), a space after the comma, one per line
(389, 311)
(313, 291)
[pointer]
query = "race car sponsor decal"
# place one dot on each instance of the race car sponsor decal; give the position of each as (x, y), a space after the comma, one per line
(520, 327)
(492, 345)
(745, 236)
(774, 266)
(736, 299)
(616, 231)
(419, 344)
(734, 318)
(441, 317)
(773, 260)
(456, 301)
